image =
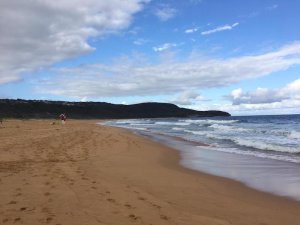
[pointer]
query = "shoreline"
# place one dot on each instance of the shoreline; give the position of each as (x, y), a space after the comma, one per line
(188, 150)
(86, 173)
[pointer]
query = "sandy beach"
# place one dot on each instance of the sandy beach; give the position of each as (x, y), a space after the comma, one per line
(82, 173)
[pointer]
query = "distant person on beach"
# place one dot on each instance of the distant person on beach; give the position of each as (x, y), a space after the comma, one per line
(63, 118)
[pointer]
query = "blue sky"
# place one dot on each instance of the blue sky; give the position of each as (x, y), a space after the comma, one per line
(239, 56)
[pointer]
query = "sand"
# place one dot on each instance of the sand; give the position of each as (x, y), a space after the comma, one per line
(81, 173)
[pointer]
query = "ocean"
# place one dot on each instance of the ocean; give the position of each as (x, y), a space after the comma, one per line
(263, 152)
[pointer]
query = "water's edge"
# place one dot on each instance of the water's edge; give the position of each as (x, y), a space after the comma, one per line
(271, 176)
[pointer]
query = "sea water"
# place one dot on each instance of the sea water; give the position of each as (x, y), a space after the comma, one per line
(261, 151)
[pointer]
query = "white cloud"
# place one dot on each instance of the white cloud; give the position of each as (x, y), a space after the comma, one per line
(265, 101)
(140, 41)
(165, 12)
(164, 47)
(221, 28)
(265, 96)
(260, 95)
(283, 107)
(38, 33)
(130, 78)
(188, 98)
(191, 30)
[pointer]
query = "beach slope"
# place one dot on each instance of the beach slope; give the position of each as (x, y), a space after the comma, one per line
(85, 174)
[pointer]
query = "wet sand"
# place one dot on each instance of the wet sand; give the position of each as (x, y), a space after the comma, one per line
(85, 174)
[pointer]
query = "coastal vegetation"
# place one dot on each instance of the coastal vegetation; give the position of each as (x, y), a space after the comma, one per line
(95, 110)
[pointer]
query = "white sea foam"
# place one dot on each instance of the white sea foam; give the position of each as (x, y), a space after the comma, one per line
(228, 128)
(255, 153)
(177, 128)
(138, 128)
(131, 121)
(295, 134)
(209, 121)
(257, 144)
(122, 122)
(222, 121)
(196, 132)
(173, 123)
(265, 146)
(142, 124)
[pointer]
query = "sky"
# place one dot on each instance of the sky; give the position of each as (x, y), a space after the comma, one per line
(242, 57)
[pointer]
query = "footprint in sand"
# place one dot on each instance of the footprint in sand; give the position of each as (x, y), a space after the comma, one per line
(17, 219)
(156, 206)
(23, 209)
(128, 206)
(164, 217)
(133, 217)
(111, 200)
(49, 219)
(47, 193)
(5, 220)
(12, 203)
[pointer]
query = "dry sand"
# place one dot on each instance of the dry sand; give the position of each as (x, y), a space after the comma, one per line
(85, 174)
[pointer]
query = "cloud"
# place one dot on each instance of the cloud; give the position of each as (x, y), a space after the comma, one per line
(260, 95)
(282, 100)
(164, 47)
(140, 41)
(264, 95)
(165, 12)
(284, 107)
(38, 33)
(218, 29)
(188, 98)
(191, 30)
(133, 78)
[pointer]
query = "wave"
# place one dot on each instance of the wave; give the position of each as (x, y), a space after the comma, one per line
(138, 128)
(266, 146)
(256, 144)
(294, 134)
(131, 121)
(209, 121)
(177, 128)
(142, 124)
(173, 123)
(196, 132)
(229, 128)
(256, 154)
